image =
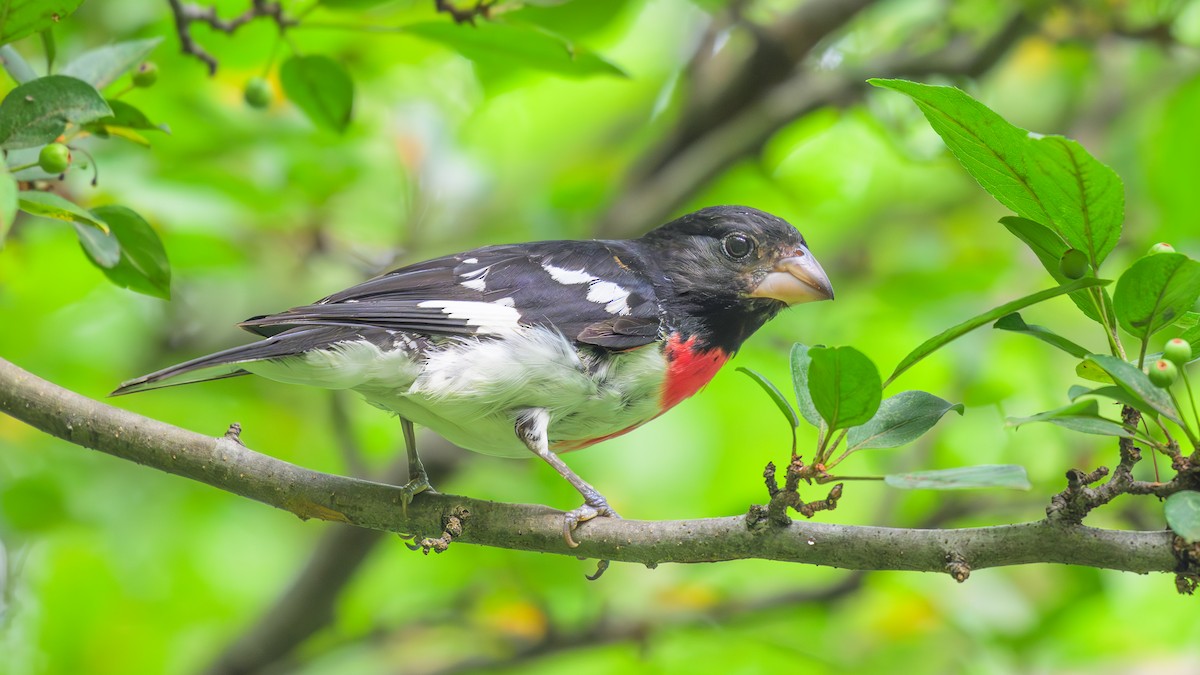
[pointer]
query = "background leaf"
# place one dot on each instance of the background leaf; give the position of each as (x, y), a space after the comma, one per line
(953, 333)
(101, 67)
(20, 18)
(503, 45)
(963, 478)
(321, 88)
(16, 65)
(1156, 291)
(143, 265)
(844, 385)
(900, 419)
(37, 112)
(1047, 179)
(1182, 510)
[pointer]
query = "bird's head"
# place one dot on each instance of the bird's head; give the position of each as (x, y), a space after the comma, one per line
(726, 270)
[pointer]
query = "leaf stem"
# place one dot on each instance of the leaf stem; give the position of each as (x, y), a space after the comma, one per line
(1191, 397)
(829, 479)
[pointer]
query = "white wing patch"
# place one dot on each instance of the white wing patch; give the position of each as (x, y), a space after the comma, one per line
(614, 298)
(475, 280)
(488, 316)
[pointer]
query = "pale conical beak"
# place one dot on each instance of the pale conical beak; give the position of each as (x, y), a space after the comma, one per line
(794, 279)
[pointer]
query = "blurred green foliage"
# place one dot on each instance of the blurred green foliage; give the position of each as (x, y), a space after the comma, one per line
(112, 568)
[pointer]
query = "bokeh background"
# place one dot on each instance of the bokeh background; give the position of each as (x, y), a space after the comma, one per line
(107, 567)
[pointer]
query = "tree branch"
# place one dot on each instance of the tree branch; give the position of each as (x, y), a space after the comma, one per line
(185, 15)
(226, 464)
(665, 182)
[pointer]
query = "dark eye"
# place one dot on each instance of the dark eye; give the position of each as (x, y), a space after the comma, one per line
(737, 246)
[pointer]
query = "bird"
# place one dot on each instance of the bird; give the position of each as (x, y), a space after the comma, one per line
(544, 347)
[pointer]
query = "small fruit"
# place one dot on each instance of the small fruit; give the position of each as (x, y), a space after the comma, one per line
(1161, 247)
(258, 93)
(1177, 351)
(1073, 264)
(146, 74)
(1163, 373)
(54, 158)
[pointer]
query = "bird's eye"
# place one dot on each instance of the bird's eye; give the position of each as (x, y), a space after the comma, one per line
(737, 246)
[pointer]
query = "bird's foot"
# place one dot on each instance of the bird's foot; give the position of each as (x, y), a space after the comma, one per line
(591, 508)
(415, 486)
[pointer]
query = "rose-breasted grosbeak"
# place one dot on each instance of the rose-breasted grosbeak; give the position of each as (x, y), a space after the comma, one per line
(544, 347)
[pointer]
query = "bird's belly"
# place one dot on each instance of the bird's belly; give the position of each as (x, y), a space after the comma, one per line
(471, 391)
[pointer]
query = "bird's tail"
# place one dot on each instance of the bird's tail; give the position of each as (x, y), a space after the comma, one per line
(228, 363)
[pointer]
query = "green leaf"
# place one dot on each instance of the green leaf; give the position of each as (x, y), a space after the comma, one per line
(1092, 372)
(962, 478)
(1182, 510)
(1046, 179)
(16, 65)
(1049, 249)
(1082, 416)
(1136, 384)
(37, 112)
(20, 18)
(1115, 393)
(800, 363)
(776, 396)
(143, 265)
(1015, 323)
(512, 46)
(1188, 320)
(950, 334)
(844, 385)
(101, 67)
(50, 205)
(901, 419)
(124, 116)
(102, 248)
(8, 202)
(321, 88)
(1155, 292)
(1192, 335)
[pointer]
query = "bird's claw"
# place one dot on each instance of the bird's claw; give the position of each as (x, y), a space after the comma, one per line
(411, 489)
(589, 510)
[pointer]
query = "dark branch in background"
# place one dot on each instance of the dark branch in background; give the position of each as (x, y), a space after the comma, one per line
(482, 9)
(187, 14)
(706, 144)
(227, 464)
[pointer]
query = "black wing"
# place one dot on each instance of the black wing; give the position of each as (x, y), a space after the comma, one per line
(596, 292)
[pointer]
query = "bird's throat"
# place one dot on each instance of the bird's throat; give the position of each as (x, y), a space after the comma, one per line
(689, 368)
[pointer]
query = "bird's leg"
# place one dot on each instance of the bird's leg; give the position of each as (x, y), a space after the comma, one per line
(531, 429)
(418, 480)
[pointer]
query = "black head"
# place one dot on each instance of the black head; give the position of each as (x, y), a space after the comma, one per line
(733, 267)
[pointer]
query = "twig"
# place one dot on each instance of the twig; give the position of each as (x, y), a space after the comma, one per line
(187, 14)
(481, 9)
(310, 494)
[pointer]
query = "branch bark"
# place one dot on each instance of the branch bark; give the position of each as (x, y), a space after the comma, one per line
(226, 464)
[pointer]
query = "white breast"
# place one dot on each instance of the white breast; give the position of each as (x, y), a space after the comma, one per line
(469, 390)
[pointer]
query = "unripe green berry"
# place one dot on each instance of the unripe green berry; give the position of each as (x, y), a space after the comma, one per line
(258, 93)
(54, 158)
(1161, 247)
(1163, 373)
(1177, 351)
(146, 74)
(1073, 264)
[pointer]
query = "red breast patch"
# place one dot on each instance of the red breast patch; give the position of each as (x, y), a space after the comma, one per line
(688, 369)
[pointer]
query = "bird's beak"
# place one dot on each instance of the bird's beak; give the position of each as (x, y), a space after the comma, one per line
(795, 278)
